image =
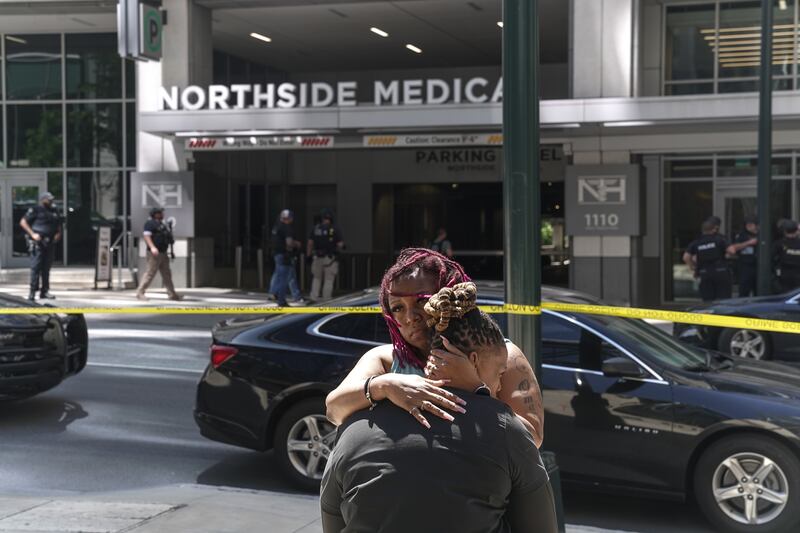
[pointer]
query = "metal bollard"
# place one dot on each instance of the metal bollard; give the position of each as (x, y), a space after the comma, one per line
(238, 267)
(369, 272)
(302, 279)
(260, 260)
(353, 273)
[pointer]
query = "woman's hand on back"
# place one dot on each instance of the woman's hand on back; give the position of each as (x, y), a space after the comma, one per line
(417, 395)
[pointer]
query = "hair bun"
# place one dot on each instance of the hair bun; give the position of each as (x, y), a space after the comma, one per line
(451, 302)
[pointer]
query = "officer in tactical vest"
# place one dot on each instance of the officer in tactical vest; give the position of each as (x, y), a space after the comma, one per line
(42, 224)
(786, 255)
(158, 237)
(745, 248)
(706, 257)
(324, 245)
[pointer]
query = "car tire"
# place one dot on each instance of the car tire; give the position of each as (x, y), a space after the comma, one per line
(713, 476)
(759, 344)
(304, 435)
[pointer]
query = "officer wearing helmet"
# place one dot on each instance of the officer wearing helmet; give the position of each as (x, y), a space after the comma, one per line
(324, 245)
(158, 237)
(42, 223)
(786, 254)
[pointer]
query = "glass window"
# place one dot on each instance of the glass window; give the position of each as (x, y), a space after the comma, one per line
(34, 135)
(94, 199)
(682, 226)
(690, 32)
(130, 134)
(93, 66)
(368, 327)
(94, 135)
(688, 88)
(740, 39)
(689, 168)
(567, 344)
(130, 79)
(33, 67)
(748, 166)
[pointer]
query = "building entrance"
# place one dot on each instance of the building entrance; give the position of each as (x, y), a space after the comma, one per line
(18, 192)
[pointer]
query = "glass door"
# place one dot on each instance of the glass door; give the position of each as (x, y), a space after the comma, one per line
(18, 193)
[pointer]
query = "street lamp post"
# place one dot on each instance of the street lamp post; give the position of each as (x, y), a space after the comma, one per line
(521, 172)
(765, 151)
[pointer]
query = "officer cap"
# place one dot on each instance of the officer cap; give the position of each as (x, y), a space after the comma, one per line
(326, 213)
(287, 213)
(790, 226)
(714, 220)
(750, 219)
(46, 196)
(154, 211)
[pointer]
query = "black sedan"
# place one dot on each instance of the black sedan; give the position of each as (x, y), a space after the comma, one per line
(747, 343)
(628, 407)
(38, 351)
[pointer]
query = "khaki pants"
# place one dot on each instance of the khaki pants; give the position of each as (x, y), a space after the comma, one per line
(323, 274)
(155, 264)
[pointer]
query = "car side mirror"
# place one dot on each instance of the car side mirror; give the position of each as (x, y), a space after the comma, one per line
(621, 367)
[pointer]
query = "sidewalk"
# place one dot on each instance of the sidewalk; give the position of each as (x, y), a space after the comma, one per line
(172, 509)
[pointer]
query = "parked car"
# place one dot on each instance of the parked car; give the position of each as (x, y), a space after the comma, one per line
(748, 343)
(628, 407)
(38, 351)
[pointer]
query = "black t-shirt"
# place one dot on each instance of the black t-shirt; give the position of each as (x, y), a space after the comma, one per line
(281, 232)
(747, 256)
(710, 253)
(388, 473)
(43, 220)
(160, 234)
(326, 238)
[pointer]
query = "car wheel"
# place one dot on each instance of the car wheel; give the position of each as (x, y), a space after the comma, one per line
(746, 343)
(304, 439)
(749, 484)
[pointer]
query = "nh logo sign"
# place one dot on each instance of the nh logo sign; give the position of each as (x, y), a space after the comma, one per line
(167, 195)
(607, 190)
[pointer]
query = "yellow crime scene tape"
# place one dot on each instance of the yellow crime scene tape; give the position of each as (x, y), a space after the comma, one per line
(511, 309)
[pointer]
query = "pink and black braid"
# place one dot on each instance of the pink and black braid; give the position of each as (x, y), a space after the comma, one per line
(447, 271)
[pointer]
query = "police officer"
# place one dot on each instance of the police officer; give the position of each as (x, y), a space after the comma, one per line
(705, 256)
(158, 237)
(744, 247)
(324, 245)
(42, 223)
(786, 254)
(284, 251)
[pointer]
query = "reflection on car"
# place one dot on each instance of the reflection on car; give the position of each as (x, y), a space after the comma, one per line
(748, 343)
(628, 407)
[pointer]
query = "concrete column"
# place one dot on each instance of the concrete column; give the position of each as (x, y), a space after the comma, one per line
(602, 48)
(605, 266)
(187, 59)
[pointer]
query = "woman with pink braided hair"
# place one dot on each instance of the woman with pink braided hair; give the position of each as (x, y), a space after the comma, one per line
(403, 372)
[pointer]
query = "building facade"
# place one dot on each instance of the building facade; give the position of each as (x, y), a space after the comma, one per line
(648, 126)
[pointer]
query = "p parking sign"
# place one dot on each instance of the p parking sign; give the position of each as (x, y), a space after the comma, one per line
(150, 31)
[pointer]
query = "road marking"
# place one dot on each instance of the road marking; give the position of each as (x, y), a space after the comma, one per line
(148, 368)
(106, 333)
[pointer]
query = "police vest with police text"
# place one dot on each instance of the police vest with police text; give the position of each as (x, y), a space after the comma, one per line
(790, 254)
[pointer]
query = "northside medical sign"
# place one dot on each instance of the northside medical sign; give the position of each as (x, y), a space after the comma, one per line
(433, 91)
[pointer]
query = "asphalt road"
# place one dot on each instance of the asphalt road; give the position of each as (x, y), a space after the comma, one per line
(126, 423)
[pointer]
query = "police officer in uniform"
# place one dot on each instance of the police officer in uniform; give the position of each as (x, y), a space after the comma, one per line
(787, 257)
(158, 237)
(706, 257)
(744, 247)
(324, 245)
(42, 223)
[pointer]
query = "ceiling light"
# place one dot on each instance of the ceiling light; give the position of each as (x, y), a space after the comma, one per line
(628, 123)
(230, 140)
(260, 37)
(782, 5)
(253, 141)
(16, 39)
(378, 31)
(414, 48)
(500, 23)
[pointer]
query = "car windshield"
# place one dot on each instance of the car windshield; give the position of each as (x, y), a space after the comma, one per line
(643, 338)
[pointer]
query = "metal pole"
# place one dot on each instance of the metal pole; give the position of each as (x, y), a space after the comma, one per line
(238, 261)
(260, 258)
(765, 151)
(521, 172)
